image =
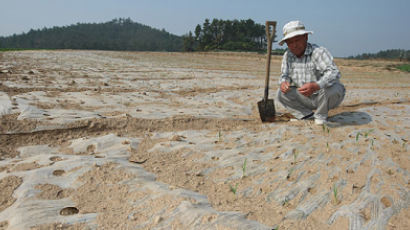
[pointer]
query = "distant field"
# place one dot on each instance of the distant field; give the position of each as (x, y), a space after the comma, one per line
(156, 140)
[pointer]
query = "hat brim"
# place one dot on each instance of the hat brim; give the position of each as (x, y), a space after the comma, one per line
(294, 34)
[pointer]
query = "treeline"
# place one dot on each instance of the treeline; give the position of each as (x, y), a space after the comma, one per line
(124, 34)
(397, 54)
(118, 34)
(233, 35)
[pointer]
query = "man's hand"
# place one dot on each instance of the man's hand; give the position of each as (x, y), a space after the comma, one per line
(308, 88)
(285, 87)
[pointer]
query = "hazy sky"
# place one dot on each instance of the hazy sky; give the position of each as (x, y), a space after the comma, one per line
(345, 27)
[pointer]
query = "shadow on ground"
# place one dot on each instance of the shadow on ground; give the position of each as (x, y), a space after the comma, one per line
(350, 118)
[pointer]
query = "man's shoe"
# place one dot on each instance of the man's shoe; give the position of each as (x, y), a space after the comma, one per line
(319, 121)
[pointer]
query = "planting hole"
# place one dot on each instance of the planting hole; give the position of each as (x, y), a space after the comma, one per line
(67, 211)
(58, 172)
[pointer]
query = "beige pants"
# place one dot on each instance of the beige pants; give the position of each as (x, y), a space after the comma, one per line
(322, 101)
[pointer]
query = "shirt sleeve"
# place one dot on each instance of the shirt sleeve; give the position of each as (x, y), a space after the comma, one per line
(328, 71)
(284, 69)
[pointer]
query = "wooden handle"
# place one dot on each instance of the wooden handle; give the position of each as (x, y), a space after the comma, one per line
(270, 36)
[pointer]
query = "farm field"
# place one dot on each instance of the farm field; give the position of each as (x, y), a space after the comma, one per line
(155, 140)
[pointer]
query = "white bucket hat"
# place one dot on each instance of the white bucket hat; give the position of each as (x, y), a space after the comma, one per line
(292, 29)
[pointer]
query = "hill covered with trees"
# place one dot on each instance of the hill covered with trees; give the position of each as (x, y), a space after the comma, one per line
(397, 54)
(118, 34)
(124, 34)
(243, 35)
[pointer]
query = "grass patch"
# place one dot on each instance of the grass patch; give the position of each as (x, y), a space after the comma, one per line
(10, 49)
(20, 49)
(404, 67)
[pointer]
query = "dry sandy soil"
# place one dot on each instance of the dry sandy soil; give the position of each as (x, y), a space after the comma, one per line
(136, 140)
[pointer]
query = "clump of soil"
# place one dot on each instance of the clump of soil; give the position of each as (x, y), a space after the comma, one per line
(7, 187)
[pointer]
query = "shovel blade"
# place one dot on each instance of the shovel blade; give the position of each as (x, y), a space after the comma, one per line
(266, 109)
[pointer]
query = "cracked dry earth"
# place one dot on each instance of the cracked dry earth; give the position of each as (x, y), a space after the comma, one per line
(137, 140)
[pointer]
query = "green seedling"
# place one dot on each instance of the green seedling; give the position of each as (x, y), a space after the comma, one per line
(326, 130)
(295, 155)
(366, 134)
(335, 194)
(285, 202)
(372, 143)
(244, 167)
(234, 189)
(290, 171)
(357, 136)
(219, 135)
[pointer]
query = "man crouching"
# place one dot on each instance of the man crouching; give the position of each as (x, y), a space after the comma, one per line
(309, 79)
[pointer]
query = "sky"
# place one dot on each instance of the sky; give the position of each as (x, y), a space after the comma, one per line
(344, 27)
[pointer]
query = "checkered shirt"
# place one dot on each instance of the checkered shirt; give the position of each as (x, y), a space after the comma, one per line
(316, 65)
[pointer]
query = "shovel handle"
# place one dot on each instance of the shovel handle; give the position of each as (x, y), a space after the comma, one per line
(269, 36)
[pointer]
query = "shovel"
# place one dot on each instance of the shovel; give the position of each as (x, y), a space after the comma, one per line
(266, 106)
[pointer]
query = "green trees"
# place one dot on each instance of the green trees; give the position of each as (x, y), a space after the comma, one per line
(118, 34)
(124, 34)
(189, 42)
(244, 35)
(400, 54)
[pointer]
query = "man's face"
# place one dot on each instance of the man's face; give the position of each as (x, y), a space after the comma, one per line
(297, 45)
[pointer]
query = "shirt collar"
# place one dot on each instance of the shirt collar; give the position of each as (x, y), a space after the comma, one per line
(309, 49)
